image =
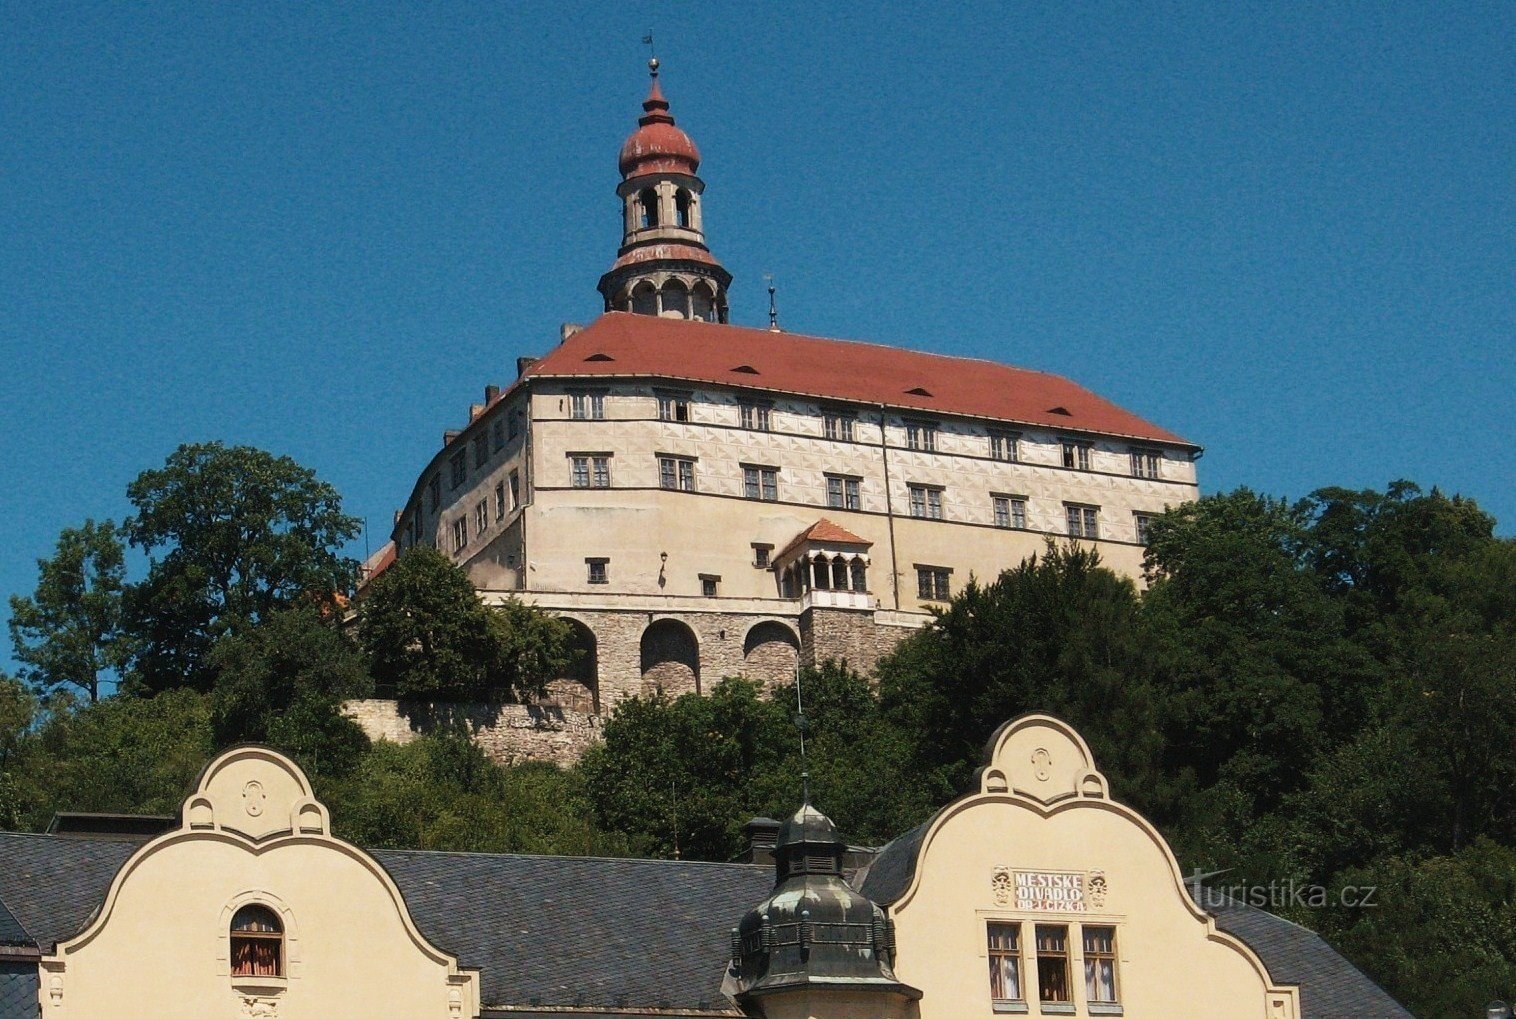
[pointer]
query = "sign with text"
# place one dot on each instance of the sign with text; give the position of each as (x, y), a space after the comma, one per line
(1042, 891)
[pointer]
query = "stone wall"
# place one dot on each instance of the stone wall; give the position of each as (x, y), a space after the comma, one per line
(508, 733)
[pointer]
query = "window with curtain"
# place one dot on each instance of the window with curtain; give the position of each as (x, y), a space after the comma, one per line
(1100, 965)
(1053, 963)
(1005, 961)
(257, 943)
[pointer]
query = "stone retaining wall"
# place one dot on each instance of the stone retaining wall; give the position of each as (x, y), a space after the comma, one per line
(507, 733)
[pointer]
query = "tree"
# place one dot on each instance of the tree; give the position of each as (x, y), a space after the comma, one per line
(69, 632)
(283, 682)
(234, 534)
(427, 635)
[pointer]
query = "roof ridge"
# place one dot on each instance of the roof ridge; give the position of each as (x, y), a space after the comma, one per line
(556, 856)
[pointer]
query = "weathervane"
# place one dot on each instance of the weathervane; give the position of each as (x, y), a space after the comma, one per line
(773, 307)
(652, 53)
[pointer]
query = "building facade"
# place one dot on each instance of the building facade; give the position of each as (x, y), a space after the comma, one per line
(1035, 894)
(703, 500)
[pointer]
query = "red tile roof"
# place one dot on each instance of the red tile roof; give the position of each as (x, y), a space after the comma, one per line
(623, 344)
(823, 530)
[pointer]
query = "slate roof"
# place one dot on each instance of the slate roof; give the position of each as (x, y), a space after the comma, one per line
(571, 931)
(11, 931)
(18, 990)
(624, 344)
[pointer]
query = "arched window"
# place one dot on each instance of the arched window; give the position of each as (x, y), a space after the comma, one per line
(676, 300)
(648, 199)
(839, 574)
(860, 576)
(257, 943)
(682, 208)
(702, 303)
(645, 299)
(821, 574)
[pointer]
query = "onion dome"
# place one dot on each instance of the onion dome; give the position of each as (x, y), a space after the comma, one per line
(657, 146)
(814, 929)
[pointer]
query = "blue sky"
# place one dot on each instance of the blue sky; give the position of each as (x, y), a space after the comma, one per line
(1285, 231)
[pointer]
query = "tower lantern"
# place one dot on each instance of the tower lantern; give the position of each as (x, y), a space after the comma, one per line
(663, 266)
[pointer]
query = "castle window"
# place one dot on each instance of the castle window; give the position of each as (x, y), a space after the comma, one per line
(1076, 455)
(1100, 965)
(1142, 521)
(515, 489)
(921, 435)
(481, 449)
(514, 425)
(590, 471)
(709, 585)
(1083, 521)
(673, 407)
(647, 200)
(933, 583)
(599, 570)
(761, 483)
(1146, 463)
(1053, 964)
(460, 534)
(499, 501)
(926, 502)
(434, 492)
(837, 425)
(762, 555)
(257, 943)
(1010, 511)
(682, 203)
(587, 406)
(676, 473)
(481, 516)
(843, 492)
(756, 416)
(645, 299)
(497, 434)
(860, 575)
(1005, 963)
(459, 469)
(1003, 446)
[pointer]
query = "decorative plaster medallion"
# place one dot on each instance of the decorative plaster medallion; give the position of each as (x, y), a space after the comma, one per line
(260, 1008)
(1002, 884)
(253, 797)
(1096, 888)
(1042, 764)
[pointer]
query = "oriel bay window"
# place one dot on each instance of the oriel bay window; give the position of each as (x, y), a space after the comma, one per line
(257, 943)
(1053, 964)
(1100, 966)
(1005, 966)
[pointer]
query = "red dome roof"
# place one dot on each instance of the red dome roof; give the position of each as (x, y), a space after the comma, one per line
(657, 146)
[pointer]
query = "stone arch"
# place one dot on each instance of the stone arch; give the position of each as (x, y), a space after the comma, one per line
(769, 653)
(645, 299)
(670, 658)
(682, 205)
(647, 213)
(703, 302)
(577, 688)
(674, 299)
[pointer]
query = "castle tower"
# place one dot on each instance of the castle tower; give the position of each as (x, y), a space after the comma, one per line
(663, 267)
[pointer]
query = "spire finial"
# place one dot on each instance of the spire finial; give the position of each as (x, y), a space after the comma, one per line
(652, 53)
(773, 307)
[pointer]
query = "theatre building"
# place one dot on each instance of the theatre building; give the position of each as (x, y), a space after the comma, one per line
(702, 500)
(1034, 894)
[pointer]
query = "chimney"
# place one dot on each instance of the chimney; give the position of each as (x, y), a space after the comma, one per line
(762, 834)
(491, 394)
(449, 435)
(568, 329)
(522, 364)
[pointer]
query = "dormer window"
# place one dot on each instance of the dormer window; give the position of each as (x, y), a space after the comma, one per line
(257, 943)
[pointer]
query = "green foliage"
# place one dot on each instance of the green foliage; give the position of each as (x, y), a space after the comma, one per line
(69, 631)
(441, 792)
(283, 682)
(427, 636)
(234, 535)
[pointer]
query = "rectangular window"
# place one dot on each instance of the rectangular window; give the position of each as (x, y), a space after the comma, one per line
(921, 435)
(1142, 521)
(587, 406)
(481, 516)
(843, 492)
(600, 468)
(1076, 455)
(1010, 511)
(709, 585)
(1146, 463)
(756, 416)
(926, 502)
(1053, 963)
(515, 489)
(1100, 965)
(673, 407)
(838, 426)
(459, 469)
(599, 570)
(515, 425)
(497, 434)
(1083, 521)
(434, 493)
(676, 473)
(460, 533)
(932, 583)
(1003, 446)
(762, 555)
(579, 471)
(499, 501)
(761, 483)
(1005, 962)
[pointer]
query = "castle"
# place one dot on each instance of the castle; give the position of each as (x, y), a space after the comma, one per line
(700, 499)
